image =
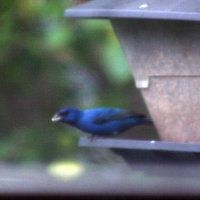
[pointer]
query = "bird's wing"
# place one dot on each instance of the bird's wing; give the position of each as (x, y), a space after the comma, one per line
(115, 114)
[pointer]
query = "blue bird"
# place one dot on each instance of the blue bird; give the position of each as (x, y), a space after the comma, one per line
(101, 121)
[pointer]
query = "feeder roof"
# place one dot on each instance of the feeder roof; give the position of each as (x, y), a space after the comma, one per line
(188, 10)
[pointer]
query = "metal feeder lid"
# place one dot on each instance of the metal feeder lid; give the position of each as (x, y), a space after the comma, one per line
(146, 9)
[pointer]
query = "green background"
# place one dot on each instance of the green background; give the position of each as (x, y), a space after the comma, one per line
(48, 62)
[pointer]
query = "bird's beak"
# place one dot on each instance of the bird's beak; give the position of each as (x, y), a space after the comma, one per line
(56, 118)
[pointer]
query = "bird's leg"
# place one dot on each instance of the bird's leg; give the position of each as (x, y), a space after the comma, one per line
(92, 137)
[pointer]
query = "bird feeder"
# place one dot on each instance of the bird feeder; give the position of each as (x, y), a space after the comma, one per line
(161, 40)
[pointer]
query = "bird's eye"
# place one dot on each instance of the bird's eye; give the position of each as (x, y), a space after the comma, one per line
(64, 113)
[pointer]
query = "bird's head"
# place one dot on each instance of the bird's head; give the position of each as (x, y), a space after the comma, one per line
(66, 115)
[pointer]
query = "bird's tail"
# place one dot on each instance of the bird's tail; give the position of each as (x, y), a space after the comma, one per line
(144, 121)
(147, 121)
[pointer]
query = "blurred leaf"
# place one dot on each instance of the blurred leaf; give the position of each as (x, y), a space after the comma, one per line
(115, 63)
(57, 35)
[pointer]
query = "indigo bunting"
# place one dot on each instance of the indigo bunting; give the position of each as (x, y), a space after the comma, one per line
(101, 121)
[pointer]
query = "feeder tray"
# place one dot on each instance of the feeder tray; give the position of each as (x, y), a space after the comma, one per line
(140, 151)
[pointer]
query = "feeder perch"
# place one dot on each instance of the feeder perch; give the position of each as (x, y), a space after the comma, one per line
(162, 44)
(145, 151)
